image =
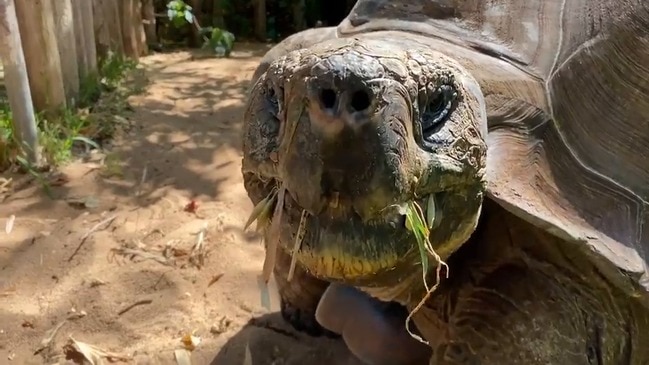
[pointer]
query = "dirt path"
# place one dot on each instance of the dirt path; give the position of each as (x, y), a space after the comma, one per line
(185, 142)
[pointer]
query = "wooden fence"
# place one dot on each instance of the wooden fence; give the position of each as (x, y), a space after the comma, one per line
(49, 47)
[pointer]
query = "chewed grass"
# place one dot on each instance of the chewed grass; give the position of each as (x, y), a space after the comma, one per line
(420, 226)
(268, 224)
(418, 222)
(268, 221)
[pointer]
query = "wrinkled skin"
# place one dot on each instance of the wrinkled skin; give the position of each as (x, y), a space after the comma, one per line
(353, 128)
(334, 126)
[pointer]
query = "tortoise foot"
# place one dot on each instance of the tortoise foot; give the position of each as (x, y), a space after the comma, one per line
(304, 320)
(299, 297)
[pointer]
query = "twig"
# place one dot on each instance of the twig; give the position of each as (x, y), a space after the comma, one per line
(92, 230)
(138, 188)
(125, 251)
(214, 279)
(49, 335)
(140, 302)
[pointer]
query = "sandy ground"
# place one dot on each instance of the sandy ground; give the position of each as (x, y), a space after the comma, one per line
(133, 285)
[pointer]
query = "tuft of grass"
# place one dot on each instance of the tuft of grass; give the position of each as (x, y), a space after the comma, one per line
(8, 143)
(113, 70)
(420, 224)
(102, 98)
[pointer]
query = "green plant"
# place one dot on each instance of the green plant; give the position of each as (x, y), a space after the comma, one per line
(8, 143)
(89, 90)
(218, 40)
(101, 100)
(113, 68)
(179, 13)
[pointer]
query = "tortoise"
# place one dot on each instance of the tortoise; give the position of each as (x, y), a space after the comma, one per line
(522, 134)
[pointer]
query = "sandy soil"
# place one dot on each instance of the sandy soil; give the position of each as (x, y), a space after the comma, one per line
(132, 285)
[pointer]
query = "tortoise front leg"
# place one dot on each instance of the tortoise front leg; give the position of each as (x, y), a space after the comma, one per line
(520, 315)
(299, 297)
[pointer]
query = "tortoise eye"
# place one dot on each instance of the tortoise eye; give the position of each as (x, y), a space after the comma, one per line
(272, 100)
(438, 109)
(269, 110)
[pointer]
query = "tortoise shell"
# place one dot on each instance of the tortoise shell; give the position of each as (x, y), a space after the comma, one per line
(568, 113)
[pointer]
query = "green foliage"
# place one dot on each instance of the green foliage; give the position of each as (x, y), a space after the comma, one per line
(218, 40)
(8, 142)
(55, 137)
(72, 127)
(179, 13)
(89, 90)
(113, 68)
(215, 38)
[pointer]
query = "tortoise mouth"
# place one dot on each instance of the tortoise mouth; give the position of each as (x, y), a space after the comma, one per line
(339, 245)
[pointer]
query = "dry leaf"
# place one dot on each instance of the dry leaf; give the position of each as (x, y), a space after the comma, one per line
(214, 279)
(222, 326)
(191, 207)
(9, 226)
(51, 333)
(93, 354)
(183, 357)
(8, 291)
(265, 293)
(197, 256)
(83, 202)
(190, 341)
(4, 184)
(132, 254)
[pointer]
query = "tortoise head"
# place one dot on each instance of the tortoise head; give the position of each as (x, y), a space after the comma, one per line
(354, 132)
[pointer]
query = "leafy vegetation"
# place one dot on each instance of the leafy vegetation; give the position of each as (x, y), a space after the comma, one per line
(215, 39)
(102, 98)
(218, 40)
(239, 17)
(179, 13)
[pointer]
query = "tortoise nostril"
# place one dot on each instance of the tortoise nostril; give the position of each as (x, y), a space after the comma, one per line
(360, 101)
(328, 98)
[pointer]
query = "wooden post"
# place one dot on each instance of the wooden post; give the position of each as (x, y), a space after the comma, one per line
(129, 34)
(149, 21)
(108, 30)
(140, 35)
(80, 38)
(17, 81)
(115, 26)
(64, 24)
(90, 47)
(36, 24)
(197, 6)
(100, 22)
